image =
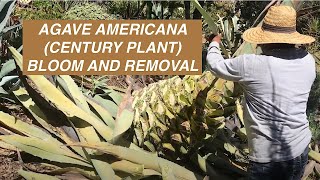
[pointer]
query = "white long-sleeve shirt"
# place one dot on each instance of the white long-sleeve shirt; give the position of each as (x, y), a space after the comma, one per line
(276, 89)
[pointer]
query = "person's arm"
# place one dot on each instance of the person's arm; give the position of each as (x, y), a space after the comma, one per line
(229, 69)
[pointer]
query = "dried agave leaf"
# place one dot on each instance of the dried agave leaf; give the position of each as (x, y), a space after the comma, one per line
(148, 160)
(317, 169)
(308, 169)
(44, 149)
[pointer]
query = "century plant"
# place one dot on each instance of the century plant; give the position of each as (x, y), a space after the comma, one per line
(66, 118)
(92, 127)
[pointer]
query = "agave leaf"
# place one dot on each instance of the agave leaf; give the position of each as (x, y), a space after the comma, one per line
(7, 67)
(314, 155)
(44, 149)
(150, 146)
(29, 129)
(10, 28)
(239, 111)
(76, 94)
(295, 4)
(24, 128)
(107, 104)
(103, 113)
(232, 149)
(242, 134)
(123, 123)
(148, 160)
(227, 32)
(3, 92)
(62, 103)
(124, 117)
(23, 96)
(150, 172)
(116, 97)
(5, 145)
(245, 48)
(210, 22)
(206, 16)
(70, 89)
(6, 79)
(88, 133)
(28, 175)
(317, 169)
(128, 167)
(17, 56)
(205, 167)
(6, 8)
(235, 20)
(20, 49)
(87, 173)
(62, 86)
(104, 169)
(167, 173)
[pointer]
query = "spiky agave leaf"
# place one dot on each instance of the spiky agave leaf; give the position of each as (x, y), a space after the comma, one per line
(172, 116)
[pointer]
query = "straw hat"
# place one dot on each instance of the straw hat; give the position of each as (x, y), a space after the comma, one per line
(279, 26)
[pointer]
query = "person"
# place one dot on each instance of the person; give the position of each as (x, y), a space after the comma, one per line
(276, 87)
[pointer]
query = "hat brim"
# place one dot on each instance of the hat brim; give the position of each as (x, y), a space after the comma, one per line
(258, 36)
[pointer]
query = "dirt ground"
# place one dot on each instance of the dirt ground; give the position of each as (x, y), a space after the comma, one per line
(9, 161)
(9, 165)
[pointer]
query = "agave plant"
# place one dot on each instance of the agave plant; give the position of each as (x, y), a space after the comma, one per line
(92, 128)
(8, 32)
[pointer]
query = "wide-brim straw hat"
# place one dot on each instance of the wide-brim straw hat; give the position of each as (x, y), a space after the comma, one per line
(279, 26)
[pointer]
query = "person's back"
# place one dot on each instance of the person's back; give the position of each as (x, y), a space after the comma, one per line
(276, 89)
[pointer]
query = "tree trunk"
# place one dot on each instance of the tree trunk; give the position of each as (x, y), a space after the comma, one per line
(187, 9)
(162, 10)
(196, 13)
(140, 8)
(149, 10)
(128, 10)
